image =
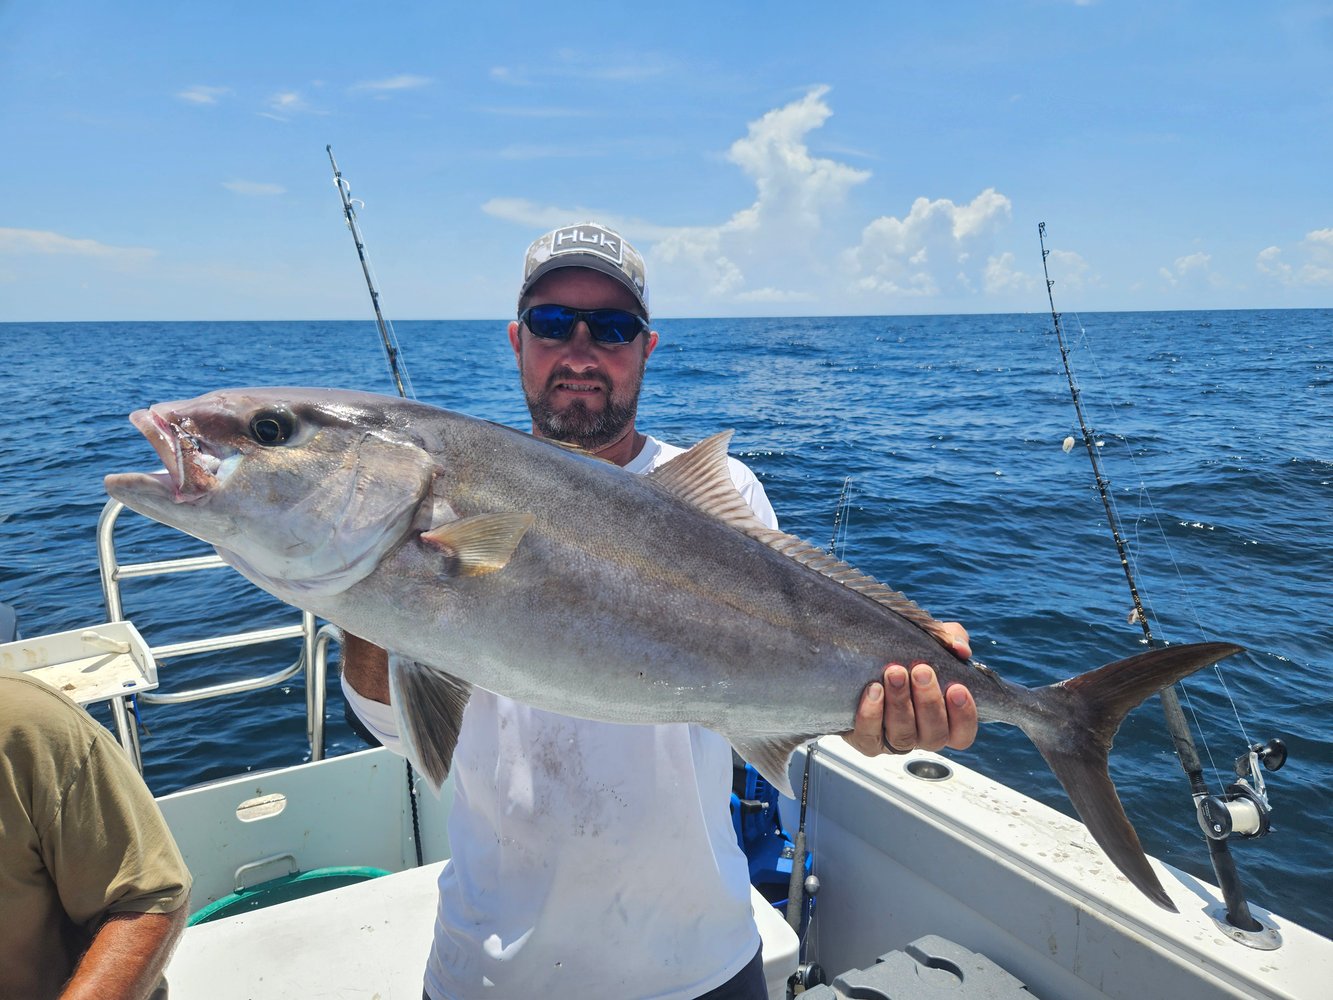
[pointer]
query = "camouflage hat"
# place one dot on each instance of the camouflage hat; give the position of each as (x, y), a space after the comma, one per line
(591, 245)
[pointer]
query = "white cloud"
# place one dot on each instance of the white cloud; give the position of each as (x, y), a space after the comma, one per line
(787, 246)
(774, 295)
(286, 103)
(773, 250)
(23, 242)
(200, 94)
(1192, 270)
(403, 81)
(1068, 271)
(778, 244)
(253, 188)
(939, 247)
(1314, 269)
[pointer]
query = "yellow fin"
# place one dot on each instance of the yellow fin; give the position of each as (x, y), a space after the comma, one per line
(480, 544)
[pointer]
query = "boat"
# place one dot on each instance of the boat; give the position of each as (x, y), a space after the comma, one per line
(927, 878)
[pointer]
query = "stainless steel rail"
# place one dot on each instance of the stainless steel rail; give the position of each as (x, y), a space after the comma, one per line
(312, 662)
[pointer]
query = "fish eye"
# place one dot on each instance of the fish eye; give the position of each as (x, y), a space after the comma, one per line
(272, 426)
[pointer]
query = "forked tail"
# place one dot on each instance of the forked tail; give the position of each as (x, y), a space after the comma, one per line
(1075, 724)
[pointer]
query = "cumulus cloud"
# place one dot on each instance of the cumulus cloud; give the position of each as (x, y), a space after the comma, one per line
(254, 188)
(200, 94)
(791, 244)
(777, 244)
(24, 242)
(937, 247)
(1314, 267)
(1068, 269)
(1192, 270)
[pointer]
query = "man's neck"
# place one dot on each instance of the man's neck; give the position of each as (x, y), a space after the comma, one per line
(623, 449)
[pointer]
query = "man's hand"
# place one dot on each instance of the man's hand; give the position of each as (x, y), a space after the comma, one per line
(916, 713)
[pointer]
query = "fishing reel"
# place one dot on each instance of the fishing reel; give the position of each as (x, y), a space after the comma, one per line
(1243, 810)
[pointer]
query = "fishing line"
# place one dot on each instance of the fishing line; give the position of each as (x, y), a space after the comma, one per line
(1146, 503)
(837, 545)
(388, 337)
(1242, 810)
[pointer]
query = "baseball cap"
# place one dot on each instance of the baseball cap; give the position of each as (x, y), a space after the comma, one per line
(591, 245)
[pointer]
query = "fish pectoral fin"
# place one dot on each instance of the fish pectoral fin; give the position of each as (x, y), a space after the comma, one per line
(480, 544)
(429, 706)
(771, 756)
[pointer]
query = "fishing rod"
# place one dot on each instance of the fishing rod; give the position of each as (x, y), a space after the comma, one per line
(391, 353)
(1243, 809)
(802, 888)
(386, 336)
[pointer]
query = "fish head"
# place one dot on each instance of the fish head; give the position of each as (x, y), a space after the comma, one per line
(300, 489)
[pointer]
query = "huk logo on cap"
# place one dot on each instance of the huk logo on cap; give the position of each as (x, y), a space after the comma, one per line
(587, 239)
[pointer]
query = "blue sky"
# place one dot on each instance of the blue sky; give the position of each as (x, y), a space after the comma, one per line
(166, 160)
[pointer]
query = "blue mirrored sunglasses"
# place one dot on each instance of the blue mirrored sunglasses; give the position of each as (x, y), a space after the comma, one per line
(607, 326)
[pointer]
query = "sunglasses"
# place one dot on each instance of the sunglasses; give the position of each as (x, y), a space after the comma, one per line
(607, 326)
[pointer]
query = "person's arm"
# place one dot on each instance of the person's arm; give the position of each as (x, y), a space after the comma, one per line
(127, 956)
(366, 667)
(916, 713)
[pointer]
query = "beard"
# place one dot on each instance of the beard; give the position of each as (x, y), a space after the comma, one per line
(577, 423)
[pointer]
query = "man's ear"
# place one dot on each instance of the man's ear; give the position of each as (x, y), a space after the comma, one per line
(514, 341)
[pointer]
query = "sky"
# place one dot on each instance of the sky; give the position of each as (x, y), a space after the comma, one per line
(166, 160)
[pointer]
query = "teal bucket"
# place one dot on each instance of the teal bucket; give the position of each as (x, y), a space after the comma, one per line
(282, 890)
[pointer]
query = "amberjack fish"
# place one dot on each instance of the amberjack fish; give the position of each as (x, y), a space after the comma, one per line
(485, 556)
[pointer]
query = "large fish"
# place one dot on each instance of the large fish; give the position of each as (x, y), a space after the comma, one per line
(496, 559)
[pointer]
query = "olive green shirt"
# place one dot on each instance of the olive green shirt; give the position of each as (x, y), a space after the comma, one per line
(80, 838)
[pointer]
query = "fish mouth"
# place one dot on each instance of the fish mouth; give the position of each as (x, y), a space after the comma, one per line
(190, 464)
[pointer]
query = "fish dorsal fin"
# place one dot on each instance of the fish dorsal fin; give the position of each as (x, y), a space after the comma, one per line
(701, 477)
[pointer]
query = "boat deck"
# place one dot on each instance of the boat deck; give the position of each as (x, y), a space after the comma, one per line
(368, 940)
(365, 940)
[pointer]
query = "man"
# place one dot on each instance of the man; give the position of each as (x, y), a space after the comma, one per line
(93, 891)
(594, 859)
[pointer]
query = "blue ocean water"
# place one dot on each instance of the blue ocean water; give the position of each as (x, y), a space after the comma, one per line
(1214, 428)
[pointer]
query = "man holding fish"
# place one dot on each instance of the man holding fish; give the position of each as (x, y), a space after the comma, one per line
(596, 858)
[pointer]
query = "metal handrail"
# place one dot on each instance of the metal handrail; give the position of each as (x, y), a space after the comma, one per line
(312, 661)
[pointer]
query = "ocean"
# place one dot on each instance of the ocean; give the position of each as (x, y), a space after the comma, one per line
(1215, 429)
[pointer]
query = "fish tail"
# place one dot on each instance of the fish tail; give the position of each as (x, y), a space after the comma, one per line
(1074, 724)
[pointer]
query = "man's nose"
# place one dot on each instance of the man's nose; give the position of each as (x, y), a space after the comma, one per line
(579, 349)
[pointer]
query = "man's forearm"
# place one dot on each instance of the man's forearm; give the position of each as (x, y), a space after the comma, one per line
(366, 667)
(127, 956)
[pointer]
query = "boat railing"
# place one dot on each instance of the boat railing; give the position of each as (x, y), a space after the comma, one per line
(312, 661)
